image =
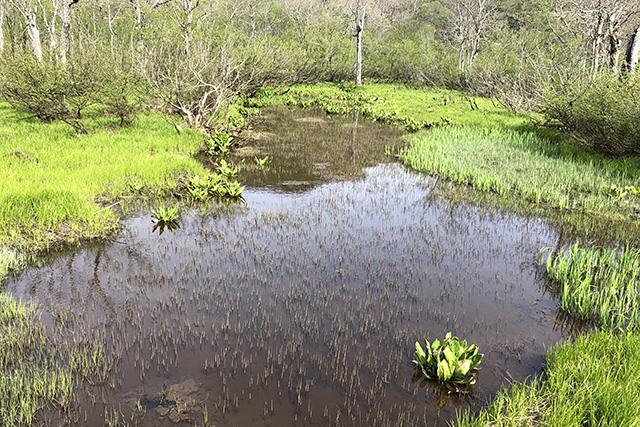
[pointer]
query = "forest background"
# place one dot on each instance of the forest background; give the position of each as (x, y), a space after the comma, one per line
(573, 61)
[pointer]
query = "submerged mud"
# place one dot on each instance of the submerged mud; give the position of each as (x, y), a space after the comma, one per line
(301, 306)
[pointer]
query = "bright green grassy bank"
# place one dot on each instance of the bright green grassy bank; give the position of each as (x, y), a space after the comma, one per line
(394, 103)
(56, 185)
(592, 382)
(509, 163)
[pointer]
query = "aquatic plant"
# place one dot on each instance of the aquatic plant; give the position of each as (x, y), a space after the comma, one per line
(201, 188)
(524, 166)
(598, 284)
(227, 170)
(164, 214)
(234, 189)
(219, 143)
(261, 162)
(449, 361)
(37, 370)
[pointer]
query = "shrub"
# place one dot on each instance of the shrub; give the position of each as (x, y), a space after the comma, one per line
(603, 114)
(52, 90)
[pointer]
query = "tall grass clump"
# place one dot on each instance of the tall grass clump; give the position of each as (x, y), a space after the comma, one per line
(522, 164)
(590, 382)
(598, 284)
(10, 261)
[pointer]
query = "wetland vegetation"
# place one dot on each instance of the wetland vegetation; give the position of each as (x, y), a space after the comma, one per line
(201, 217)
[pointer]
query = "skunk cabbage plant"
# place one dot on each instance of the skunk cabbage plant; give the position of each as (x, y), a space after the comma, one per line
(450, 361)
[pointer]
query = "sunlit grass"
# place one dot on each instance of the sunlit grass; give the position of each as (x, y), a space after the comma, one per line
(591, 382)
(57, 184)
(396, 103)
(511, 163)
(598, 284)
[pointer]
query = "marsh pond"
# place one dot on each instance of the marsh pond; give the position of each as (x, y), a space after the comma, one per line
(301, 305)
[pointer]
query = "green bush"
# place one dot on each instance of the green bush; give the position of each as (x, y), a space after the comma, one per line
(603, 114)
(52, 90)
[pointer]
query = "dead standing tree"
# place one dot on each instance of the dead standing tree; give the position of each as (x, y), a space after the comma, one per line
(359, 14)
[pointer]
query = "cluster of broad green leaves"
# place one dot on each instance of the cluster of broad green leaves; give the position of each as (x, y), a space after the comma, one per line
(200, 188)
(449, 361)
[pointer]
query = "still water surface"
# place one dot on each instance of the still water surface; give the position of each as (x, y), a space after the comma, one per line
(301, 306)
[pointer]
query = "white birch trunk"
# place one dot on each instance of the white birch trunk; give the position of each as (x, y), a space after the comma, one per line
(65, 34)
(359, 29)
(633, 52)
(1, 31)
(34, 33)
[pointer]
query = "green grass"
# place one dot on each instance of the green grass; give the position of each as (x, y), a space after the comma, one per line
(599, 285)
(591, 382)
(57, 184)
(395, 103)
(521, 164)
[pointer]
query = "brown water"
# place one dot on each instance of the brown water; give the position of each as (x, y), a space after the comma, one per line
(301, 306)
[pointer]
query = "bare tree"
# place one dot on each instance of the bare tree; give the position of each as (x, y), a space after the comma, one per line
(65, 34)
(600, 24)
(471, 20)
(198, 85)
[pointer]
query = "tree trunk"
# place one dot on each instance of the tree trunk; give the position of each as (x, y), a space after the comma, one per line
(189, 7)
(359, 28)
(633, 52)
(461, 56)
(65, 34)
(1, 32)
(614, 52)
(34, 33)
(596, 46)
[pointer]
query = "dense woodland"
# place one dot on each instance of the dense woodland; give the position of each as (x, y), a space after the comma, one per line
(574, 61)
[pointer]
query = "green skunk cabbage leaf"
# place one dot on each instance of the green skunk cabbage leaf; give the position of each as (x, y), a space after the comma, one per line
(462, 367)
(470, 379)
(420, 354)
(449, 357)
(444, 373)
(472, 350)
(475, 360)
(427, 346)
(454, 345)
(436, 345)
